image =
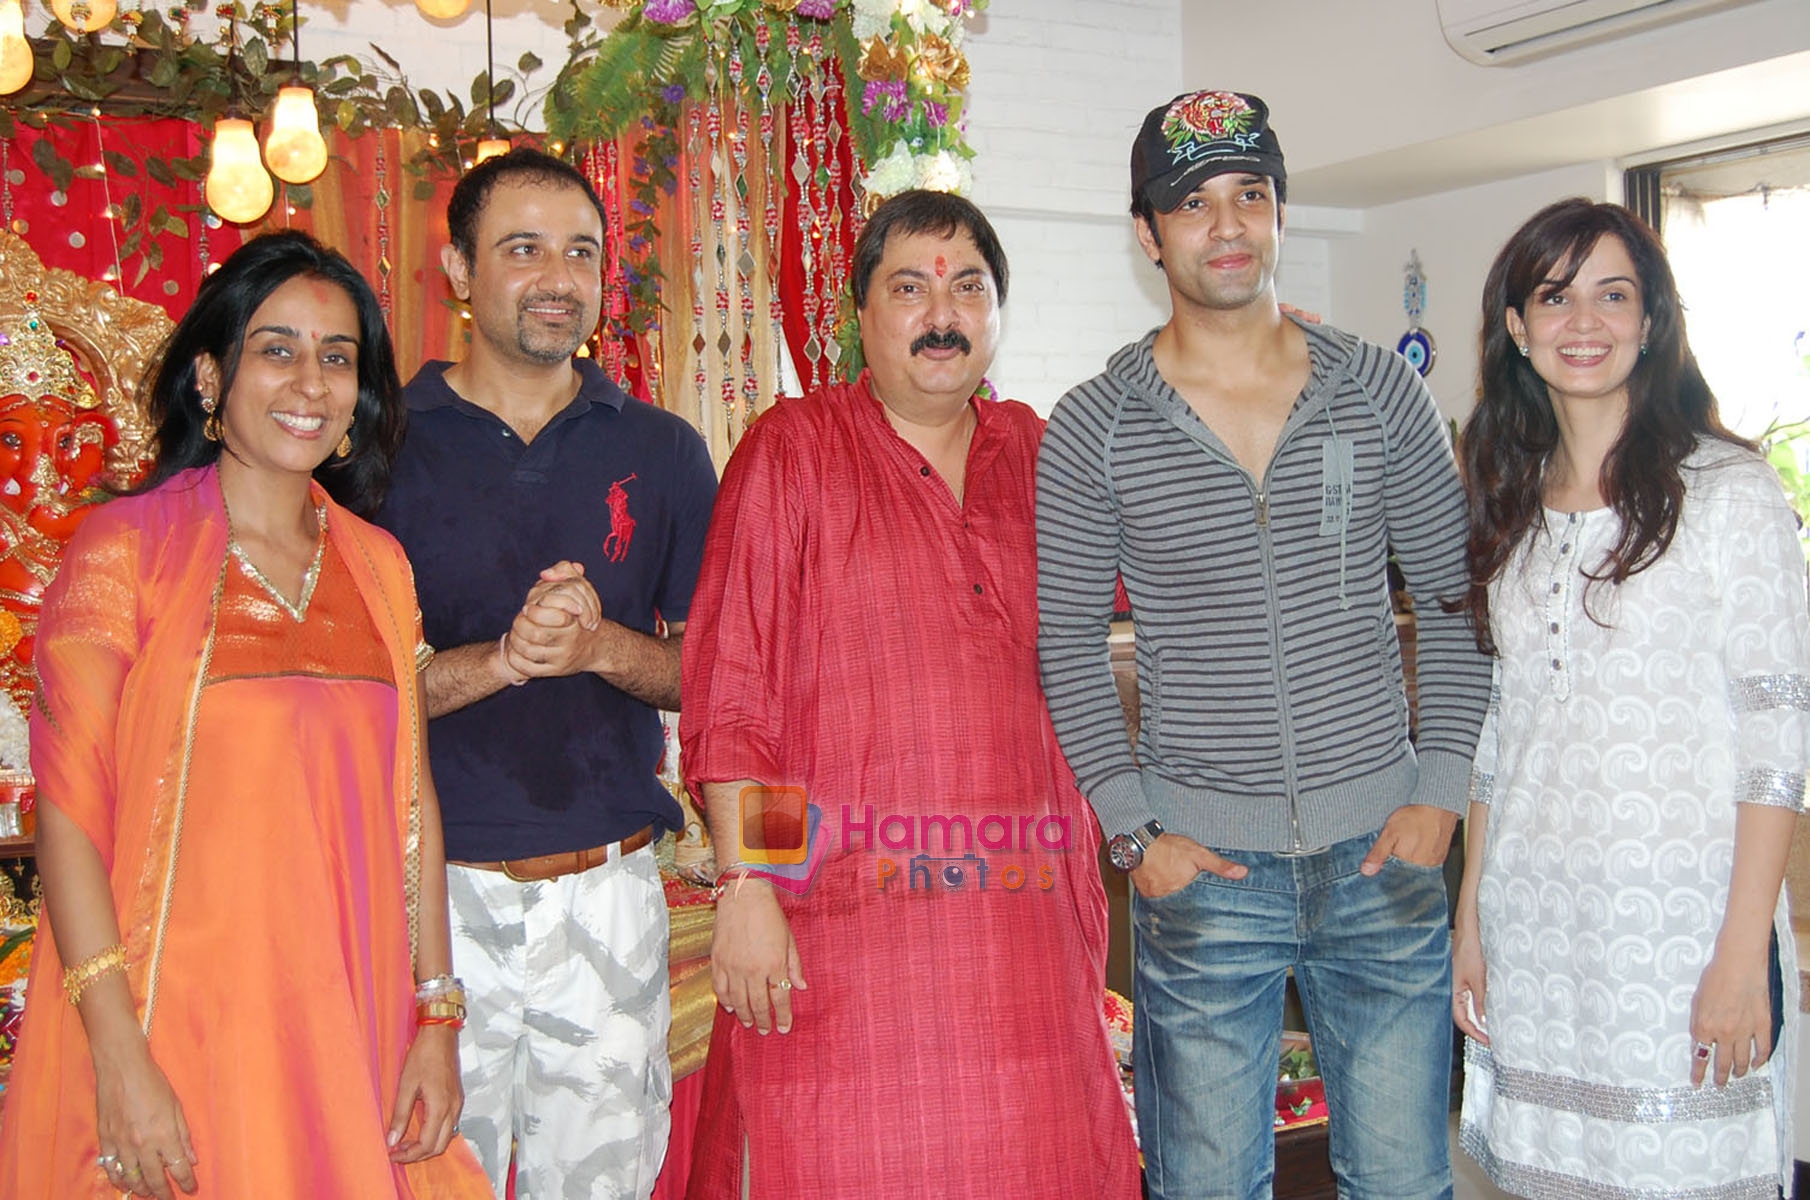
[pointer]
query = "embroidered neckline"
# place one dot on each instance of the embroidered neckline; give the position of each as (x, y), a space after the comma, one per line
(299, 610)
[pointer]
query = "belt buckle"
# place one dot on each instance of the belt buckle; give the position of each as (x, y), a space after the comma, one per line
(1302, 851)
(509, 871)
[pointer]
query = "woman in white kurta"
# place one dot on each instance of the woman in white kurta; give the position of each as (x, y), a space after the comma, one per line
(1623, 962)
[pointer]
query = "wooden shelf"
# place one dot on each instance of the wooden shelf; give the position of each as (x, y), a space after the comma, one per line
(19, 847)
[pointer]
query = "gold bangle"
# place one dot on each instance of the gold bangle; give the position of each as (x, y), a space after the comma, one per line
(438, 1010)
(77, 978)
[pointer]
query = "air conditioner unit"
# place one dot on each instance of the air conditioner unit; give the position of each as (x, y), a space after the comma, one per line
(1494, 32)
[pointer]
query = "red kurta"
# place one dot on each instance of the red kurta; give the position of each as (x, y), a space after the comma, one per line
(858, 632)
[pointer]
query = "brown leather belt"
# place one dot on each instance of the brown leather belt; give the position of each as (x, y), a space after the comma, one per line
(570, 862)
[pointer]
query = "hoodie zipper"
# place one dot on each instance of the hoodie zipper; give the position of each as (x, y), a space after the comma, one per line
(1261, 504)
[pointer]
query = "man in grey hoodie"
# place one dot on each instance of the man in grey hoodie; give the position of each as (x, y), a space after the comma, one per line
(1248, 476)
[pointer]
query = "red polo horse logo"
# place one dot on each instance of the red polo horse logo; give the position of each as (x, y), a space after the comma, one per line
(622, 526)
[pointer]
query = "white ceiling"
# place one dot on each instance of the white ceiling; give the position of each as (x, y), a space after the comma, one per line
(1373, 106)
(1765, 97)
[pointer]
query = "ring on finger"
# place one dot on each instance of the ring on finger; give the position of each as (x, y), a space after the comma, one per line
(784, 985)
(1702, 1051)
(106, 1162)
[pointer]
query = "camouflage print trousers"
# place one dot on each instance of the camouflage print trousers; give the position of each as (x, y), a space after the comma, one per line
(564, 1048)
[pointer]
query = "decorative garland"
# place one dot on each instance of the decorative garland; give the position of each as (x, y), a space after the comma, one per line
(904, 78)
(901, 60)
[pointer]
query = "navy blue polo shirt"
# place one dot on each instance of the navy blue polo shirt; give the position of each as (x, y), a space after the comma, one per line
(624, 488)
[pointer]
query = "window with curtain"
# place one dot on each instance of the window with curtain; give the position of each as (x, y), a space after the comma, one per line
(1736, 226)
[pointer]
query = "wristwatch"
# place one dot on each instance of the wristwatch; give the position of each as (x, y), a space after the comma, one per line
(1126, 851)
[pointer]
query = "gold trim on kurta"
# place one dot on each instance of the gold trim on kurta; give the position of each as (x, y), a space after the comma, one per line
(155, 965)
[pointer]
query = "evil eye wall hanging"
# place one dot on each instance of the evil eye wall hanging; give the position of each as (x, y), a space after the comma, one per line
(1416, 345)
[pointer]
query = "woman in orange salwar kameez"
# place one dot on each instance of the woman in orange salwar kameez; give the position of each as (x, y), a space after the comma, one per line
(233, 792)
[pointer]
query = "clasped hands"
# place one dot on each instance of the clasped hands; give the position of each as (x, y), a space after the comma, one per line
(560, 629)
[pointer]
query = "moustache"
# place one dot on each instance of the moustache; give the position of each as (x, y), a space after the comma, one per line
(953, 339)
(548, 300)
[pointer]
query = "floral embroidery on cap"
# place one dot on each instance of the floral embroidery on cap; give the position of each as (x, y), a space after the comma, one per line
(1195, 122)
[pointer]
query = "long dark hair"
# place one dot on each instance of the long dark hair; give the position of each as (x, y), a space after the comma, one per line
(1512, 433)
(215, 325)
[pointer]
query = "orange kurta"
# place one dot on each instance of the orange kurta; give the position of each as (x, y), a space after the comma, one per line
(250, 782)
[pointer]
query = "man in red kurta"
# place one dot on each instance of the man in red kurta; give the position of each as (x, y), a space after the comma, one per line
(915, 1009)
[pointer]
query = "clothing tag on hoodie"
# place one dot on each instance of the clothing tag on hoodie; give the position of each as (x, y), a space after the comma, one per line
(1338, 462)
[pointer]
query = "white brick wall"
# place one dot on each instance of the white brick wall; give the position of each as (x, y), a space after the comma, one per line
(1059, 89)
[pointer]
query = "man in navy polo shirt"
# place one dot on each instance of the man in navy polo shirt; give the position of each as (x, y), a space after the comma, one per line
(553, 524)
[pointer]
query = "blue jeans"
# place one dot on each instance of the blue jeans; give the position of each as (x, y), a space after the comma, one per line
(1373, 964)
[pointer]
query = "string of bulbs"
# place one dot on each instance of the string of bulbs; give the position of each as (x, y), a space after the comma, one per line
(238, 186)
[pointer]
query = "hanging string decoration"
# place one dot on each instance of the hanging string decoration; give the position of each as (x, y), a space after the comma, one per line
(787, 120)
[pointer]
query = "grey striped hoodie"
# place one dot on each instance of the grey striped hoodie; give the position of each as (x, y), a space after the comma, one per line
(1273, 715)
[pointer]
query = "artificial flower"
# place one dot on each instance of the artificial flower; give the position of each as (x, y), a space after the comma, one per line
(889, 95)
(941, 62)
(892, 174)
(821, 10)
(872, 17)
(942, 172)
(923, 16)
(669, 12)
(880, 59)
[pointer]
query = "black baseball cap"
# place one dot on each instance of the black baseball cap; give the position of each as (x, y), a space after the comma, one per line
(1199, 135)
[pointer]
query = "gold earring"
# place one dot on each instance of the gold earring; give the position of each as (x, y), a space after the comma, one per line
(345, 444)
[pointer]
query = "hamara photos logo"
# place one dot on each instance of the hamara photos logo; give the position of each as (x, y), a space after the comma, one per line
(783, 839)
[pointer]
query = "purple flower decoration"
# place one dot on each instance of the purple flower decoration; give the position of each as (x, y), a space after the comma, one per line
(669, 12)
(889, 96)
(672, 93)
(821, 10)
(641, 207)
(936, 114)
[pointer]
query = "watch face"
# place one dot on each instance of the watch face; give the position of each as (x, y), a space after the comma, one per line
(1125, 853)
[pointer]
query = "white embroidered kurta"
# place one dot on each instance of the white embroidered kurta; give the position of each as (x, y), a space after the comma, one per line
(1616, 753)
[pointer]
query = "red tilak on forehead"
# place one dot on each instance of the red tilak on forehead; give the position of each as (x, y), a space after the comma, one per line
(942, 266)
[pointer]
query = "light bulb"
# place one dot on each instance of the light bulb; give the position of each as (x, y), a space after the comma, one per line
(442, 10)
(237, 186)
(84, 16)
(490, 148)
(15, 51)
(294, 148)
